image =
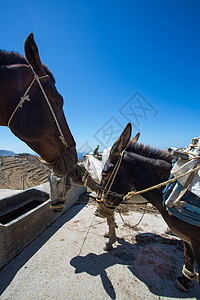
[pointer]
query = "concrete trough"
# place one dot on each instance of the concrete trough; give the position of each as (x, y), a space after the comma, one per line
(25, 215)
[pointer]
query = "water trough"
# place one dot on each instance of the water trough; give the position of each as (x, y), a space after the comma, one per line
(25, 215)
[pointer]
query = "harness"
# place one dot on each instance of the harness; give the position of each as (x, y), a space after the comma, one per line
(111, 179)
(26, 97)
(128, 196)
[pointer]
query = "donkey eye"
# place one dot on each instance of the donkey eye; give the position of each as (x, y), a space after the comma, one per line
(108, 167)
(105, 175)
(59, 102)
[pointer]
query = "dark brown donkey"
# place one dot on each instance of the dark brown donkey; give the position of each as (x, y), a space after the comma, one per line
(33, 109)
(140, 168)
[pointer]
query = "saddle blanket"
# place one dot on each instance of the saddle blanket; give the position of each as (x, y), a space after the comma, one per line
(182, 167)
(189, 209)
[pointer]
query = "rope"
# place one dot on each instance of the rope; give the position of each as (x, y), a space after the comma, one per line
(140, 220)
(26, 97)
(195, 157)
(131, 194)
(134, 193)
(191, 275)
(51, 109)
(87, 234)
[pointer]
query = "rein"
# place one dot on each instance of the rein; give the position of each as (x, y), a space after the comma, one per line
(26, 97)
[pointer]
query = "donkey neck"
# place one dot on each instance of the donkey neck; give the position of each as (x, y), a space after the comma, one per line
(143, 172)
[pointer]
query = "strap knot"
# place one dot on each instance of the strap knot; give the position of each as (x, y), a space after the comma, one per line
(23, 99)
(129, 196)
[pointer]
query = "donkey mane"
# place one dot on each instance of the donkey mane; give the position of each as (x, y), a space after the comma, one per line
(11, 58)
(14, 58)
(149, 152)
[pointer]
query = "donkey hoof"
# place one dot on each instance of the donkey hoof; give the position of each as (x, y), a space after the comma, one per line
(56, 210)
(57, 206)
(181, 284)
(108, 247)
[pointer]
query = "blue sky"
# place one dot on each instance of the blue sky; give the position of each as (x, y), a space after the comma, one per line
(114, 62)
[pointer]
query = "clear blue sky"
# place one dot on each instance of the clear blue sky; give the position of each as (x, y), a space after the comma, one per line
(114, 62)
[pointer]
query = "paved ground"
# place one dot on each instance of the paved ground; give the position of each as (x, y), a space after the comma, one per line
(67, 261)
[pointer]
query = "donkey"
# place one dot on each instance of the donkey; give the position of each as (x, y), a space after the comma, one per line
(140, 167)
(32, 108)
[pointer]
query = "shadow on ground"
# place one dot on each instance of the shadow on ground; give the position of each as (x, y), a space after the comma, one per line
(154, 260)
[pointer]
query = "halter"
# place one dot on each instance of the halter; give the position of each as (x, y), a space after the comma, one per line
(111, 180)
(26, 97)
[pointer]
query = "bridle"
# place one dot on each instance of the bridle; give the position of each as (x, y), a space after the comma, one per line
(107, 190)
(26, 97)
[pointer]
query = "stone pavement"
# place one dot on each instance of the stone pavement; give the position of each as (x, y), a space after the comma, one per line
(67, 261)
(25, 214)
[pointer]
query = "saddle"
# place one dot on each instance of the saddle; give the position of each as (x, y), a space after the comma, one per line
(182, 197)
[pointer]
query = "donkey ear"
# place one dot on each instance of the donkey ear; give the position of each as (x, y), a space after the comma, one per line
(135, 139)
(32, 54)
(122, 141)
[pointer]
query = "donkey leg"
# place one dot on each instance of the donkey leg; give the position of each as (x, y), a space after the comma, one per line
(196, 247)
(185, 281)
(111, 234)
(111, 227)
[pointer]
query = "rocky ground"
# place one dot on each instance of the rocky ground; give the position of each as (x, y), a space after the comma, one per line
(22, 171)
